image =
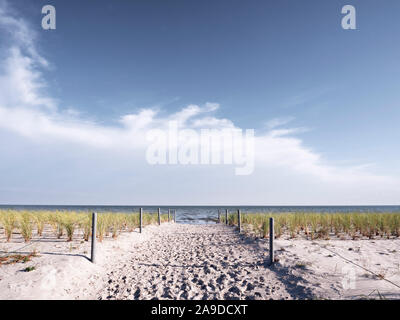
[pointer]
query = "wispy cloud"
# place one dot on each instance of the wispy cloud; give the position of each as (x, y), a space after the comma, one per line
(19, 32)
(307, 96)
(276, 122)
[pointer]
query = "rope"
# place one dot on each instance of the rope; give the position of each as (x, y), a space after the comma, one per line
(19, 249)
(377, 275)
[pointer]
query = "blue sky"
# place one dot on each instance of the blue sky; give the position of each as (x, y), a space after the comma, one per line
(258, 60)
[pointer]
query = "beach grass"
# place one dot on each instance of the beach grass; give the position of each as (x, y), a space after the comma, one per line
(8, 220)
(321, 225)
(66, 223)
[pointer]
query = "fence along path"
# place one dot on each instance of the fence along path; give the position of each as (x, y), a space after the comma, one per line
(93, 233)
(272, 253)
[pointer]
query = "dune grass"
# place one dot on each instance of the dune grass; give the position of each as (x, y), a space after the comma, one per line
(321, 225)
(66, 223)
(8, 220)
(25, 222)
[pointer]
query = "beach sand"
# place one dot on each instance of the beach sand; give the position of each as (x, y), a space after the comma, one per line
(181, 261)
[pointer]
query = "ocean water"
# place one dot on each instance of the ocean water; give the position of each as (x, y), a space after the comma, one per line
(209, 214)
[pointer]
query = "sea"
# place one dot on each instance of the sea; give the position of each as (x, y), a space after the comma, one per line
(208, 214)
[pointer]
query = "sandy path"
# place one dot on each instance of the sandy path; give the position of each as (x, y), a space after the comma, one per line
(197, 262)
(178, 261)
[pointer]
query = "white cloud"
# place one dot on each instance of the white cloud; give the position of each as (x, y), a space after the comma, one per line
(21, 83)
(19, 32)
(212, 122)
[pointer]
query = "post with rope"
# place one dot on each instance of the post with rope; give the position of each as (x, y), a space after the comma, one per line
(94, 228)
(141, 220)
(271, 241)
(159, 216)
(239, 221)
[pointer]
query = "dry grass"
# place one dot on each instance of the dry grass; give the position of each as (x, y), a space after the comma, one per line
(17, 258)
(321, 225)
(66, 223)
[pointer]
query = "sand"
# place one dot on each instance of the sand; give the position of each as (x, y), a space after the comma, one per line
(180, 261)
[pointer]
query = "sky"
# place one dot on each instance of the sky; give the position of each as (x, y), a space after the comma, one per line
(76, 102)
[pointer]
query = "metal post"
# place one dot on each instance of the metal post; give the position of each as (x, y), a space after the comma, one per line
(226, 216)
(271, 241)
(94, 228)
(239, 221)
(159, 216)
(169, 213)
(141, 220)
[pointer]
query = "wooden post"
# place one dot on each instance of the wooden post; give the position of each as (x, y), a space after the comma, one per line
(159, 216)
(169, 213)
(226, 216)
(174, 216)
(141, 220)
(271, 241)
(94, 229)
(219, 216)
(239, 221)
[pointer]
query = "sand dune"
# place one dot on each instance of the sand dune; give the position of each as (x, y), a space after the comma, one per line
(178, 261)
